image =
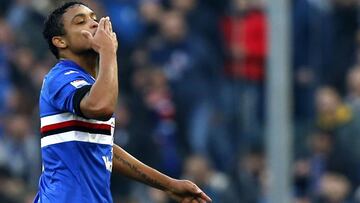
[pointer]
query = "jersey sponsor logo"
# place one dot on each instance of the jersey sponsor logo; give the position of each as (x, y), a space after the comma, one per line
(108, 163)
(70, 72)
(79, 83)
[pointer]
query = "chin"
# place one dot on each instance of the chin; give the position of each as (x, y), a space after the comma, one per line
(89, 52)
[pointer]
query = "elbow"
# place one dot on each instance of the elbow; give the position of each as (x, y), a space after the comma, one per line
(99, 112)
(103, 113)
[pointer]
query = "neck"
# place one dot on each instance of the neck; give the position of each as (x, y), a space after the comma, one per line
(88, 62)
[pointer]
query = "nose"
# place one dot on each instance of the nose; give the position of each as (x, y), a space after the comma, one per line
(94, 24)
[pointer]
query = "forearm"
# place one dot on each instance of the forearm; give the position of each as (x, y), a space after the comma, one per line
(129, 166)
(106, 85)
(102, 97)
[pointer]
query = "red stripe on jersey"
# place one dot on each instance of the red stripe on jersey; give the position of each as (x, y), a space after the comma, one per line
(74, 123)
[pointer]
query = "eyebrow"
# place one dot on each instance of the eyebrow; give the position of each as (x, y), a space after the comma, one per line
(92, 14)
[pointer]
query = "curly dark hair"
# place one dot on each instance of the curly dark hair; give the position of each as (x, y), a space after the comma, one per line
(54, 26)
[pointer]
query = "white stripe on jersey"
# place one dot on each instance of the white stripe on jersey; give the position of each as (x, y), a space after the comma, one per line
(58, 118)
(76, 136)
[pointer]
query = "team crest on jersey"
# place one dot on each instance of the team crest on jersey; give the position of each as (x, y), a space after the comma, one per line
(79, 83)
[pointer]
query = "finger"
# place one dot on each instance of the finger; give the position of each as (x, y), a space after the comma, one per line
(205, 197)
(187, 200)
(194, 188)
(194, 201)
(114, 34)
(115, 39)
(175, 197)
(107, 24)
(110, 25)
(200, 200)
(87, 34)
(102, 23)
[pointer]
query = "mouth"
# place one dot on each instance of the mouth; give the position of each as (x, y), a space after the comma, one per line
(94, 31)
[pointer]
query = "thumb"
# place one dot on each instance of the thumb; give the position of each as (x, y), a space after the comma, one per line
(87, 34)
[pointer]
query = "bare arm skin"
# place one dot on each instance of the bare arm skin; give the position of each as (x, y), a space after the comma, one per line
(100, 101)
(179, 190)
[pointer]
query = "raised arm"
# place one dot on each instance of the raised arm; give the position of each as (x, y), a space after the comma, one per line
(101, 100)
(179, 190)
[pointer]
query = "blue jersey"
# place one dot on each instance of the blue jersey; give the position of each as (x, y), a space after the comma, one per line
(76, 152)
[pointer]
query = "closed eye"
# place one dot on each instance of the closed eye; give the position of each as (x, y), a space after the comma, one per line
(79, 20)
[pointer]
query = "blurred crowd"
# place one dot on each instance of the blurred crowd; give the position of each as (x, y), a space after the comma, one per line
(192, 96)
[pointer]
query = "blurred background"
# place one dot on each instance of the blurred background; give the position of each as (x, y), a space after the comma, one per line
(192, 96)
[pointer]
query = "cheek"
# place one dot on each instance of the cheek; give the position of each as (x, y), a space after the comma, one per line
(78, 41)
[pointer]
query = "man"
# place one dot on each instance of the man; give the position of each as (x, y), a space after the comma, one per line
(77, 102)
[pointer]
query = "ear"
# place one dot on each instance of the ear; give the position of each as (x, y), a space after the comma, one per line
(59, 42)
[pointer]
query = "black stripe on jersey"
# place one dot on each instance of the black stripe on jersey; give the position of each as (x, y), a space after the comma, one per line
(78, 96)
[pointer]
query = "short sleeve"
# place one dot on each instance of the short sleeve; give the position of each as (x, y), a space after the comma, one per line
(63, 86)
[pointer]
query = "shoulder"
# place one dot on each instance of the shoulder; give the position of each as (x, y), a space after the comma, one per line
(60, 75)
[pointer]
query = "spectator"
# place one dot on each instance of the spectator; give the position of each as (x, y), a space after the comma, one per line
(159, 101)
(188, 66)
(6, 43)
(244, 29)
(322, 30)
(201, 19)
(20, 151)
(198, 169)
(345, 26)
(331, 111)
(22, 17)
(353, 88)
(121, 186)
(309, 170)
(335, 117)
(313, 32)
(334, 188)
(151, 12)
(249, 179)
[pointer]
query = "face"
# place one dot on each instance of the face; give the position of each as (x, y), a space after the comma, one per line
(243, 5)
(197, 169)
(240, 5)
(353, 81)
(327, 100)
(184, 5)
(76, 19)
(321, 143)
(151, 11)
(173, 27)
